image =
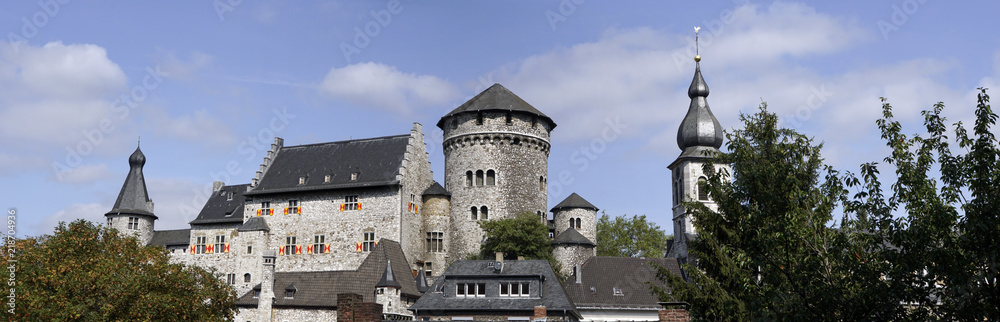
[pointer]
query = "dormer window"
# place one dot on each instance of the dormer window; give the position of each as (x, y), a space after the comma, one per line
(618, 291)
(290, 291)
(354, 176)
(302, 180)
(229, 196)
(326, 179)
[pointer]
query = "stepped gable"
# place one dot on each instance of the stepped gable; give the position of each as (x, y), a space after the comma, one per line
(375, 161)
(223, 206)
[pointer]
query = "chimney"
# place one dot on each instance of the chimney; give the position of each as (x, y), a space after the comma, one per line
(539, 313)
(674, 312)
(578, 273)
(216, 186)
(500, 257)
(266, 287)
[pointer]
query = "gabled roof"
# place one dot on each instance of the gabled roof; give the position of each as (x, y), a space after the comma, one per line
(496, 98)
(320, 289)
(553, 296)
(376, 161)
(223, 206)
(133, 198)
(176, 237)
(436, 190)
(601, 275)
(574, 201)
(255, 224)
(571, 236)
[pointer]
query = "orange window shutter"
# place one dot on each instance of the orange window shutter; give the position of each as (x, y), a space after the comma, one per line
(327, 249)
(281, 250)
(359, 206)
(416, 209)
(258, 212)
(359, 246)
(286, 210)
(192, 249)
(341, 207)
(227, 248)
(309, 249)
(208, 249)
(298, 249)
(375, 245)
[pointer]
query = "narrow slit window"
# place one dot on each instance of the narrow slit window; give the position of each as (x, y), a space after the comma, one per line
(468, 178)
(702, 190)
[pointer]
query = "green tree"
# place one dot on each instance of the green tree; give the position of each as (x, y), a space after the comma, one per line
(524, 235)
(629, 237)
(769, 252)
(84, 272)
(942, 255)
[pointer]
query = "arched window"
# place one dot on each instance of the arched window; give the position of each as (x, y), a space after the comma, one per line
(468, 178)
(479, 178)
(246, 278)
(571, 222)
(479, 118)
(578, 223)
(509, 121)
(702, 191)
(486, 213)
(491, 177)
(475, 213)
(541, 183)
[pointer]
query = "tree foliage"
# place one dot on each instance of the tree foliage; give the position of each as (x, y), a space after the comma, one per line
(85, 272)
(524, 235)
(629, 237)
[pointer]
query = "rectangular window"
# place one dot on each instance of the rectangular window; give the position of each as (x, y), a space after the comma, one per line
(249, 250)
(199, 243)
(368, 243)
(470, 289)
(109, 222)
(220, 244)
(514, 289)
(231, 279)
(133, 223)
(290, 245)
(435, 242)
(229, 195)
(265, 209)
(293, 207)
(351, 203)
(318, 242)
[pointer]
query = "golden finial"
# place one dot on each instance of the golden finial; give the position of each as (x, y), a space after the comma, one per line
(697, 56)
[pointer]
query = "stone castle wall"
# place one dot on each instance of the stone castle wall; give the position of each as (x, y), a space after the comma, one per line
(588, 221)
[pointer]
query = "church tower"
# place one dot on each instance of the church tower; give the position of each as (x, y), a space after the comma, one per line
(496, 151)
(133, 211)
(699, 136)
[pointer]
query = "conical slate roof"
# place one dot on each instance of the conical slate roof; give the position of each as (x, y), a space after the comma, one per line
(496, 98)
(133, 198)
(436, 190)
(699, 127)
(421, 282)
(572, 237)
(388, 279)
(574, 201)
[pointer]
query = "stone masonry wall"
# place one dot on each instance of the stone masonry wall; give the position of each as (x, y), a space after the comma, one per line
(588, 221)
(571, 255)
(517, 152)
(144, 233)
(436, 219)
(415, 177)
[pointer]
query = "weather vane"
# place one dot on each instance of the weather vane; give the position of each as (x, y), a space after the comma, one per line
(697, 55)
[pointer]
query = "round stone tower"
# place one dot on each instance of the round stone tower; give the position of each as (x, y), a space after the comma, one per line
(577, 213)
(133, 210)
(496, 150)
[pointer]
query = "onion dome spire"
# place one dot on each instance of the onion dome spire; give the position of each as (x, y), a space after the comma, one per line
(699, 127)
(134, 198)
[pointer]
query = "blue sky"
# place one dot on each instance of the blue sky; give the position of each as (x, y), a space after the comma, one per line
(203, 82)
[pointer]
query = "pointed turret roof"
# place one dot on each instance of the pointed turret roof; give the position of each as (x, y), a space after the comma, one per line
(496, 98)
(574, 201)
(571, 236)
(388, 279)
(133, 198)
(699, 129)
(421, 282)
(436, 190)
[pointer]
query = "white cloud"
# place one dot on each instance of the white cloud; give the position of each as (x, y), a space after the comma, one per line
(384, 87)
(177, 201)
(93, 212)
(176, 68)
(84, 174)
(199, 126)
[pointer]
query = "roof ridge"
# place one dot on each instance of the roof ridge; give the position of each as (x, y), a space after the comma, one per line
(345, 141)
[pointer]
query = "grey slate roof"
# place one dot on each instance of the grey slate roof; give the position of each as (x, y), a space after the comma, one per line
(320, 289)
(605, 274)
(176, 237)
(221, 209)
(574, 201)
(388, 278)
(699, 128)
(436, 190)
(571, 236)
(133, 198)
(376, 161)
(421, 282)
(553, 296)
(255, 224)
(496, 98)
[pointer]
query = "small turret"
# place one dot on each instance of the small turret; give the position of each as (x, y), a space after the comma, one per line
(133, 210)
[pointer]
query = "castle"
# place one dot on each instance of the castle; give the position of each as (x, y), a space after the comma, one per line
(367, 216)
